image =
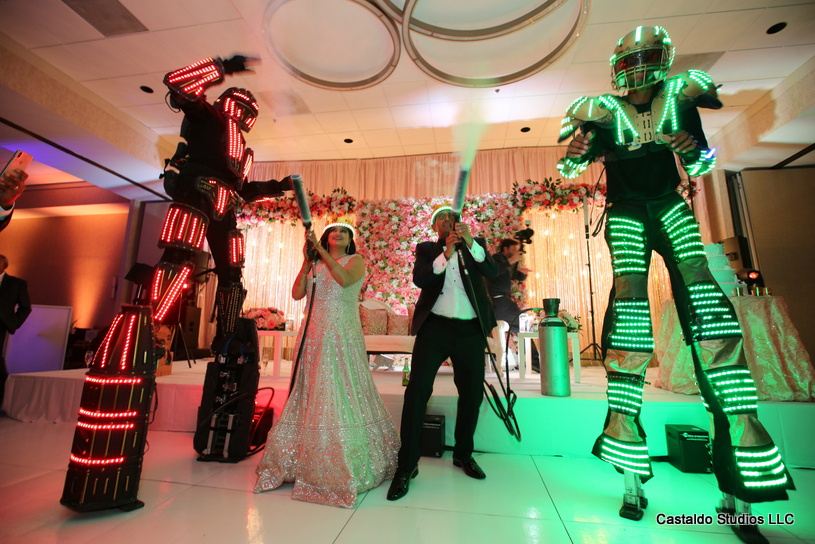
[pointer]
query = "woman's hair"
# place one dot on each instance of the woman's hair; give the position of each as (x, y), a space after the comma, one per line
(352, 247)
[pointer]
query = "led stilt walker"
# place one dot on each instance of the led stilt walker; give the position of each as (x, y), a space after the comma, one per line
(207, 179)
(638, 135)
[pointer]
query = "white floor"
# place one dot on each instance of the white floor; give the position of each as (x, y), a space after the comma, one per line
(525, 499)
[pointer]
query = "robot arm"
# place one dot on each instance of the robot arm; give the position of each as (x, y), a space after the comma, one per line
(583, 110)
(257, 190)
(189, 83)
(701, 159)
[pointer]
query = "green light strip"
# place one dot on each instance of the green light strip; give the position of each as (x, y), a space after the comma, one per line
(772, 466)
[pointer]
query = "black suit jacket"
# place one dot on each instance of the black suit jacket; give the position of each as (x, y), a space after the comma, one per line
(431, 283)
(5, 221)
(14, 303)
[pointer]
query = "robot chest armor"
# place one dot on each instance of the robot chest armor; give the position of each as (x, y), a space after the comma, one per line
(635, 129)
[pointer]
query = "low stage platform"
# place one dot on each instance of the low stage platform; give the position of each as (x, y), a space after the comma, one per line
(564, 426)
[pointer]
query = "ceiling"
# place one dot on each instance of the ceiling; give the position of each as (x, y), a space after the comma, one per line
(345, 41)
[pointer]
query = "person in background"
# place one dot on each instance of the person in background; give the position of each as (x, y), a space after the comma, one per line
(15, 307)
(508, 259)
(12, 185)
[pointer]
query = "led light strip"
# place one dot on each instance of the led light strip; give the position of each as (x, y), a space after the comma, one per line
(96, 462)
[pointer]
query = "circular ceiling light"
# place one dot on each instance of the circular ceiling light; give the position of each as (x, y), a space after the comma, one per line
(345, 28)
(422, 27)
(445, 76)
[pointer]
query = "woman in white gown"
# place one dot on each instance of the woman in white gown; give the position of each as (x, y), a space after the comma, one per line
(335, 438)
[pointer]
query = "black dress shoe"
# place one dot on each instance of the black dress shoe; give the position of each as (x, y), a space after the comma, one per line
(470, 468)
(401, 483)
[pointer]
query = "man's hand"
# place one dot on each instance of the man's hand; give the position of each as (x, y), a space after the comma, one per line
(681, 142)
(463, 231)
(12, 185)
(515, 258)
(450, 243)
(524, 270)
(579, 145)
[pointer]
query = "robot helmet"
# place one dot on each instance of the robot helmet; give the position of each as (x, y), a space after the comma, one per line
(240, 106)
(642, 58)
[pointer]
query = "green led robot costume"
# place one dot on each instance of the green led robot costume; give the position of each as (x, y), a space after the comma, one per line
(645, 213)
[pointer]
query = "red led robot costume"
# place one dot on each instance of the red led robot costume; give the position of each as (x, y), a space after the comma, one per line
(206, 179)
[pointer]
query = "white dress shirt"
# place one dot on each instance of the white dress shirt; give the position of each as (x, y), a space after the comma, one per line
(453, 301)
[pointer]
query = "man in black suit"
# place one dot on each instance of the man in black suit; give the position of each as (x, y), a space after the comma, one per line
(507, 259)
(14, 309)
(453, 318)
(12, 185)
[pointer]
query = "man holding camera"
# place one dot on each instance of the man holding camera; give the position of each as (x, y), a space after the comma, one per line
(508, 259)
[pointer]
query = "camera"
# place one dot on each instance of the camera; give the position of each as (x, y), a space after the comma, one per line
(525, 236)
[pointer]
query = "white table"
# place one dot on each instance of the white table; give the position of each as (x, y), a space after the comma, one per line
(525, 355)
(278, 344)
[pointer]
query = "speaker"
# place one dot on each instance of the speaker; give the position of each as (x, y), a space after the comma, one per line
(688, 448)
(431, 443)
(228, 399)
(190, 326)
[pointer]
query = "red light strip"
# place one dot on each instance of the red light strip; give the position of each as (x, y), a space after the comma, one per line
(199, 244)
(113, 381)
(193, 229)
(128, 342)
(236, 143)
(157, 283)
(222, 198)
(81, 461)
(169, 224)
(106, 427)
(99, 414)
(248, 165)
(172, 293)
(180, 231)
(115, 324)
(188, 71)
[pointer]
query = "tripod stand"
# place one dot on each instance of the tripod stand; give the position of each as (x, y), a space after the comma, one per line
(596, 352)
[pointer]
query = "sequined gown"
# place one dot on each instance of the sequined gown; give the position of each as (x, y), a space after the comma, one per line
(334, 438)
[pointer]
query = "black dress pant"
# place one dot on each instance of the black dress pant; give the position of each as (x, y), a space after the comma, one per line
(438, 339)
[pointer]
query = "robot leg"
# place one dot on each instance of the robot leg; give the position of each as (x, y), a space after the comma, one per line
(184, 230)
(746, 462)
(629, 349)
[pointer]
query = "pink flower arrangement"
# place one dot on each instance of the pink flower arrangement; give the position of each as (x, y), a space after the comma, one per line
(389, 231)
(267, 319)
(284, 209)
(555, 196)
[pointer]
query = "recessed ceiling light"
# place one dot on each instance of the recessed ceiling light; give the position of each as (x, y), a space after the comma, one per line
(776, 28)
(348, 141)
(525, 129)
(146, 89)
